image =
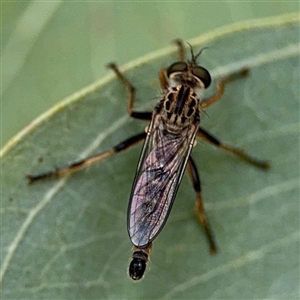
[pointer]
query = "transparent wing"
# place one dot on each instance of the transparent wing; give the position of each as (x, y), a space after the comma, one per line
(160, 169)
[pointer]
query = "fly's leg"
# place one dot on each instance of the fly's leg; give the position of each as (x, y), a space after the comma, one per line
(78, 165)
(181, 49)
(131, 99)
(262, 164)
(199, 207)
(221, 87)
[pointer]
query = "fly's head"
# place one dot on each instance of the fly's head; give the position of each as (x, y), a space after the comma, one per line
(189, 73)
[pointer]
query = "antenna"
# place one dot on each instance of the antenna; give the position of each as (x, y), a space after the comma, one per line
(195, 57)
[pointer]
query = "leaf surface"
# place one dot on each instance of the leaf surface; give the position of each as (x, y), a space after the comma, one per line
(66, 238)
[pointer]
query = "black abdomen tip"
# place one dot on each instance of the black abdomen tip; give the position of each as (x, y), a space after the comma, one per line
(137, 268)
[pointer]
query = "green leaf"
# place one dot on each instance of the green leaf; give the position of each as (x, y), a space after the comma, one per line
(66, 238)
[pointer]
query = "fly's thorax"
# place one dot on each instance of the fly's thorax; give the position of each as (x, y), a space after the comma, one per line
(179, 108)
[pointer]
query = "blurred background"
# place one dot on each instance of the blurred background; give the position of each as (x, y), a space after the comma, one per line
(53, 49)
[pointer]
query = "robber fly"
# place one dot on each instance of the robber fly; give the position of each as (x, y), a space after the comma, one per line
(169, 139)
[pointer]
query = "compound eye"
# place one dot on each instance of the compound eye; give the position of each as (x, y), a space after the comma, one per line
(203, 75)
(177, 67)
